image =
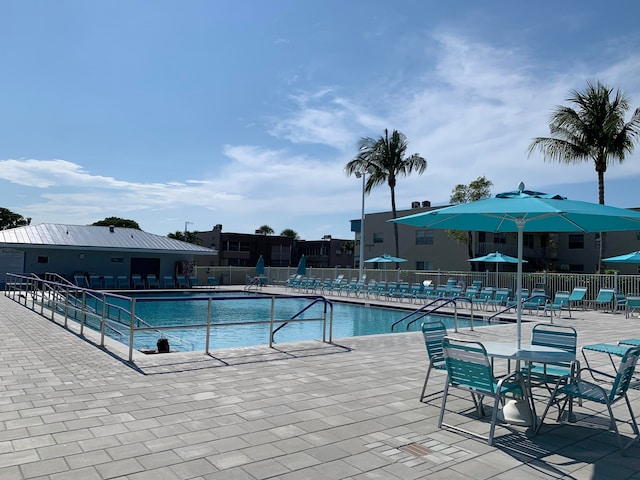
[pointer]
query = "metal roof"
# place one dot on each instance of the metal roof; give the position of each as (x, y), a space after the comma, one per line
(92, 237)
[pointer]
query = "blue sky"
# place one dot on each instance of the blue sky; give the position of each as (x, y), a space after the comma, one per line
(244, 113)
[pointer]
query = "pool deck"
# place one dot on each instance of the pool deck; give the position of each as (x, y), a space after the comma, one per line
(70, 409)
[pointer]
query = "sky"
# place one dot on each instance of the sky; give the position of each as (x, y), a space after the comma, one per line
(187, 114)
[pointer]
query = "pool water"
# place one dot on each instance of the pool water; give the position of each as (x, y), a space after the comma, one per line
(349, 320)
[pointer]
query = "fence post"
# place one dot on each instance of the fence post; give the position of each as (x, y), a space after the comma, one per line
(131, 327)
(206, 349)
(273, 307)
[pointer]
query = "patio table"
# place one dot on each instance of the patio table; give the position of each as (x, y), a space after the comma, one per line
(529, 354)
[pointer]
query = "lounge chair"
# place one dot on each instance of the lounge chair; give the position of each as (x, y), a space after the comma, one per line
(152, 281)
(108, 282)
(168, 282)
(536, 301)
(603, 299)
(183, 282)
(605, 393)
(426, 292)
(94, 282)
(577, 296)
(211, 281)
(483, 297)
(193, 281)
(123, 282)
(137, 282)
(619, 302)
(633, 305)
(80, 281)
(433, 333)
(499, 299)
(560, 302)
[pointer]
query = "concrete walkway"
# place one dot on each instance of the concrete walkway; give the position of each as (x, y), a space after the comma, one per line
(349, 410)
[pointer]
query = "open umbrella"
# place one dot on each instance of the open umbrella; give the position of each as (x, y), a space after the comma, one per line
(633, 257)
(497, 258)
(302, 266)
(260, 266)
(386, 259)
(526, 211)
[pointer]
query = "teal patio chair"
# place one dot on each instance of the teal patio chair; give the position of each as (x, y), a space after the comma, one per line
(619, 302)
(211, 281)
(152, 281)
(632, 306)
(136, 281)
(433, 333)
(556, 336)
(108, 282)
(536, 301)
(560, 303)
(499, 298)
(603, 299)
(122, 281)
(469, 369)
(606, 393)
(577, 296)
(168, 282)
(483, 297)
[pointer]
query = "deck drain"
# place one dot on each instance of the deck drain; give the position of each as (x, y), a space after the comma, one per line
(416, 450)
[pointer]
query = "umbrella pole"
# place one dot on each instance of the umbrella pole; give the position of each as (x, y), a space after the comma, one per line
(520, 225)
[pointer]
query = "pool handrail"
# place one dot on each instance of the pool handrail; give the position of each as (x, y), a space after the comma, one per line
(439, 303)
(319, 299)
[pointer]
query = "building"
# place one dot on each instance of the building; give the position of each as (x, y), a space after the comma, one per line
(433, 249)
(244, 249)
(71, 250)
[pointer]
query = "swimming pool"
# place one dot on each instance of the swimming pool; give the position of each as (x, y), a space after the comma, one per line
(172, 310)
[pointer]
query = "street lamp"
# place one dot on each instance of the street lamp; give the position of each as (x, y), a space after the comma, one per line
(361, 263)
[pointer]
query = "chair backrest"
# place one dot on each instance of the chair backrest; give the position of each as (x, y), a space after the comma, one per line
(486, 293)
(605, 295)
(561, 298)
(557, 336)
(625, 373)
(577, 294)
(433, 333)
(471, 291)
(502, 294)
(477, 284)
(468, 365)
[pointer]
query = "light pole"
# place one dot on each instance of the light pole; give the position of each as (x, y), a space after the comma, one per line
(361, 262)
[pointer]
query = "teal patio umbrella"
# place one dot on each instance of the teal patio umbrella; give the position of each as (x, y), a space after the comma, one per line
(526, 211)
(497, 258)
(633, 257)
(386, 259)
(302, 266)
(260, 266)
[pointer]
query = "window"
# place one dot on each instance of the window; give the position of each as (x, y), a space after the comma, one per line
(576, 241)
(424, 237)
(528, 240)
(597, 240)
(498, 237)
(482, 237)
(422, 265)
(117, 260)
(43, 259)
(378, 237)
(575, 267)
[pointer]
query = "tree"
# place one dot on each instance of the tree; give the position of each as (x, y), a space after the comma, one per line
(347, 247)
(287, 232)
(189, 237)
(595, 130)
(477, 190)
(117, 222)
(9, 219)
(384, 160)
(266, 229)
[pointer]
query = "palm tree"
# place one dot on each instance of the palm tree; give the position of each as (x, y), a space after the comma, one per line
(266, 230)
(288, 232)
(384, 160)
(594, 131)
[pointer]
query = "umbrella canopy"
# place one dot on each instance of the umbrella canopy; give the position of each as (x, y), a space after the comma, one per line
(496, 258)
(386, 259)
(302, 266)
(633, 257)
(260, 266)
(526, 211)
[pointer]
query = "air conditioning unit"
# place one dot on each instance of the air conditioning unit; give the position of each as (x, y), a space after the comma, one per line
(426, 203)
(415, 204)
